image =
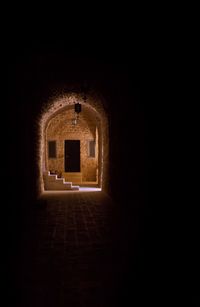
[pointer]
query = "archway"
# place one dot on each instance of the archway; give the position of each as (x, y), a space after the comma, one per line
(93, 109)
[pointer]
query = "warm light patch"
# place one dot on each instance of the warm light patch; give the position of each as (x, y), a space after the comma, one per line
(58, 105)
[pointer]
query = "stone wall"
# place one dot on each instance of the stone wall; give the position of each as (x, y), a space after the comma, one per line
(60, 128)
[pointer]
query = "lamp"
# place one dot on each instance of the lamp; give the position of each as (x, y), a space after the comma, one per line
(77, 110)
(77, 106)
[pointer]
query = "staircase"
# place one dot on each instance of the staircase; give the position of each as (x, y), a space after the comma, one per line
(52, 182)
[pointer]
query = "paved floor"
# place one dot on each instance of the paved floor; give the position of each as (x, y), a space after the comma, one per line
(67, 253)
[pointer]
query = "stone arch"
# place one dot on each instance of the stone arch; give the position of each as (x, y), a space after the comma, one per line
(55, 105)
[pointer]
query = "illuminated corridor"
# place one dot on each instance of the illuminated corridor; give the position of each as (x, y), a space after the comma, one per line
(78, 223)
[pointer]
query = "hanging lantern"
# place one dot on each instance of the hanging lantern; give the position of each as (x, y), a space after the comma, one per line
(77, 107)
(77, 110)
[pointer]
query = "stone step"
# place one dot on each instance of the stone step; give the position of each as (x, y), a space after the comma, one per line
(75, 187)
(60, 180)
(51, 178)
(67, 184)
(52, 182)
(56, 188)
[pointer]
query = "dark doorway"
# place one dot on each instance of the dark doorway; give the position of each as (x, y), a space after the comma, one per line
(72, 156)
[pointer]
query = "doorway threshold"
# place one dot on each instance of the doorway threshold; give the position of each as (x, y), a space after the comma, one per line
(81, 189)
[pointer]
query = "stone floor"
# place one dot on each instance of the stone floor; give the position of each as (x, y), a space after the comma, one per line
(67, 253)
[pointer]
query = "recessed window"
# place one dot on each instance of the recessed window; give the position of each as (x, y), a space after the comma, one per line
(91, 148)
(52, 149)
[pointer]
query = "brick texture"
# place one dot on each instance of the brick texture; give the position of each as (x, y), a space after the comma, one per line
(60, 128)
(93, 116)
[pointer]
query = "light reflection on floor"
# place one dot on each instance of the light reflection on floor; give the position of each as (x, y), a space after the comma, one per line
(89, 189)
(81, 189)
